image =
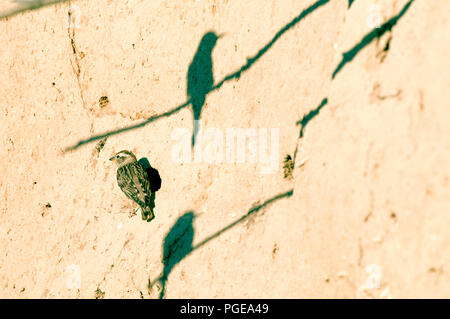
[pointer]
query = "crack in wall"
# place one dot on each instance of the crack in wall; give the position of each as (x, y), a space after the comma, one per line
(76, 56)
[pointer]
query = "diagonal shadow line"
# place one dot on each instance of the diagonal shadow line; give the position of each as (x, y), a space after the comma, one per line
(235, 75)
(251, 212)
(368, 38)
(241, 219)
(128, 128)
(28, 6)
(308, 117)
(304, 121)
(252, 60)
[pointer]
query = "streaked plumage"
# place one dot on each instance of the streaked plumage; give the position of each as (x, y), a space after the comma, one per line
(133, 181)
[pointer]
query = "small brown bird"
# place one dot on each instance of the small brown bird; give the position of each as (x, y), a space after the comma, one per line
(134, 182)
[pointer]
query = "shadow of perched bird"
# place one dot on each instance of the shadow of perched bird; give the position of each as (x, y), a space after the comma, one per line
(200, 77)
(152, 174)
(177, 245)
(153, 177)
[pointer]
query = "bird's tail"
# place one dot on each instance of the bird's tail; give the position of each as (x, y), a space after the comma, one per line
(196, 128)
(147, 213)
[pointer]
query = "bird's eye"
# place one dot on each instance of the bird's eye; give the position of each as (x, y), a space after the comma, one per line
(117, 156)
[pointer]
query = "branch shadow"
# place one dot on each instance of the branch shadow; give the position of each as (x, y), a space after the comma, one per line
(304, 121)
(308, 117)
(368, 38)
(25, 6)
(178, 242)
(234, 75)
(251, 212)
(257, 56)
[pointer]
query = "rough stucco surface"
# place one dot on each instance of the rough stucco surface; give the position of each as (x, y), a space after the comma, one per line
(371, 196)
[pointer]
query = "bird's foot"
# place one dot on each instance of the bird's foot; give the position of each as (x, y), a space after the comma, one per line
(143, 214)
(133, 212)
(150, 217)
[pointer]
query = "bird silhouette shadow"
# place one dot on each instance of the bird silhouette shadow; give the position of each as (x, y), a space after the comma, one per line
(153, 177)
(178, 242)
(177, 245)
(200, 77)
(234, 75)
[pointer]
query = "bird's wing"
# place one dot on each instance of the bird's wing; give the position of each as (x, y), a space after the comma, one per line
(133, 182)
(144, 182)
(192, 80)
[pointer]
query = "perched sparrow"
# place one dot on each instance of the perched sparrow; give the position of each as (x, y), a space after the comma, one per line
(133, 181)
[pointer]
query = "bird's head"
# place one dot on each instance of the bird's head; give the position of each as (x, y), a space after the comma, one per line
(188, 217)
(123, 157)
(209, 40)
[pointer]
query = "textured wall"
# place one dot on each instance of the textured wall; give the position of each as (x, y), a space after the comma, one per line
(369, 212)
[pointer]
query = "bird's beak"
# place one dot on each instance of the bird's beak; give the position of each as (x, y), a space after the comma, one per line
(220, 36)
(113, 159)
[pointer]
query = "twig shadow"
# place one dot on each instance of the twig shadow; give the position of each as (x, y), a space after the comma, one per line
(178, 242)
(24, 6)
(303, 122)
(376, 33)
(233, 75)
